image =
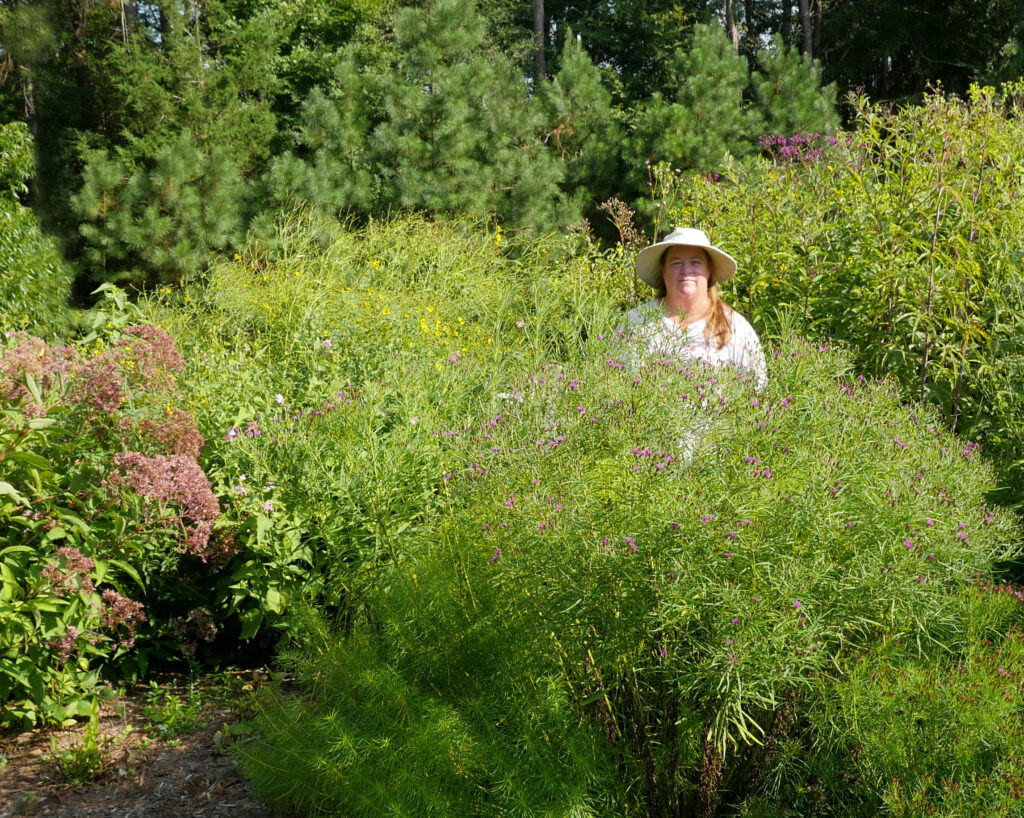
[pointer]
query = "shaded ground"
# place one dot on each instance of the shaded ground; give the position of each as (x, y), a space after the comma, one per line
(144, 775)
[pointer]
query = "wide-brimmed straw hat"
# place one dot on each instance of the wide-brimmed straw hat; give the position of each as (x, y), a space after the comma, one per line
(648, 260)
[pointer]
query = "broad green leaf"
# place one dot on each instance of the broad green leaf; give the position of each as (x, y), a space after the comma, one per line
(9, 490)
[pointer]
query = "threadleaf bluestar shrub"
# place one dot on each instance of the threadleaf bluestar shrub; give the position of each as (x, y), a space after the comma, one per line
(682, 574)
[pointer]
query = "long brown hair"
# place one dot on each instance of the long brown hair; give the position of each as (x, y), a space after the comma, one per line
(718, 329)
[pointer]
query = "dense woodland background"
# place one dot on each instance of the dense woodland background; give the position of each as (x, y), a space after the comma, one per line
(165, 131)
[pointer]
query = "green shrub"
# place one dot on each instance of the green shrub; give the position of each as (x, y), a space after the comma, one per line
(104, 513)
(36, 283)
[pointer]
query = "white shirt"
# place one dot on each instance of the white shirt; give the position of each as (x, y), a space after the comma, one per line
(659, 335)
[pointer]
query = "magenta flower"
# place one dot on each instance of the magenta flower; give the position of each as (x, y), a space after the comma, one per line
(797, 605)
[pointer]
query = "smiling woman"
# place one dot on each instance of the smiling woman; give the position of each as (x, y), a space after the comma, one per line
(688, 320)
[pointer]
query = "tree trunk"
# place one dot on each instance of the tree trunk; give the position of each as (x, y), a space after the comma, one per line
(539, 38)
(787, 22)
(730, 24)
(817, 26)
(806, 27)
(750, 37)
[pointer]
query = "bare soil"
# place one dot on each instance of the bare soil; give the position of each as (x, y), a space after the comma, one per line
(144, 776)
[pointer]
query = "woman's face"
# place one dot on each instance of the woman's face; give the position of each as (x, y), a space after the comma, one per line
(686, 271)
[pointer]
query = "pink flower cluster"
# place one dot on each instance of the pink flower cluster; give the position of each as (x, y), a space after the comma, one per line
(121, 611)
(73, 575)
(65, 646)
(32, 356)
(178, 434)
(176, 479)
(154, 353)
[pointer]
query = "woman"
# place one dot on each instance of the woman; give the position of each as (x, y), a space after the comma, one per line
(688, 320)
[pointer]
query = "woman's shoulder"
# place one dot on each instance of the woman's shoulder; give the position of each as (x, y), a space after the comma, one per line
(740, 325)
(645, 312)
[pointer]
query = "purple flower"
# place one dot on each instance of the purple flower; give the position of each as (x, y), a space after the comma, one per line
(735, 622)
(496, 555)
(797, 604)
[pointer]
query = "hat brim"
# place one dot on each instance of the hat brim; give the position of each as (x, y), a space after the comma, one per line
(648, 262)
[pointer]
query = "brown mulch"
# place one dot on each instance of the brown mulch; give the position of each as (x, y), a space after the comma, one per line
(143, 777)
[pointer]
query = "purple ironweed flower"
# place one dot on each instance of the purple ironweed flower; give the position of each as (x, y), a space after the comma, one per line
(629, 540)
(734, 534)
(253, 429)
(909, 544)
(496, 555)
(757, 599)
(675, 526)
(735, 621)
(797, 605)
(728, 555)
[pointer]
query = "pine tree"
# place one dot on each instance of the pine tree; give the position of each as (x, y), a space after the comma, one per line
(157, 221)
(582, 125)
(790, 94)
(706, 119)
(445, 126)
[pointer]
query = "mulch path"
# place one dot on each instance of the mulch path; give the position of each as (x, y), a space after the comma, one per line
(144, 776)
